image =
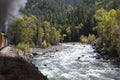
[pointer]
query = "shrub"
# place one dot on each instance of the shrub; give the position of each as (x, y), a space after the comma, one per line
(22, 48)
(84, 39)
(44, 44)
(48, 44)
(118, 48)
(91, 38)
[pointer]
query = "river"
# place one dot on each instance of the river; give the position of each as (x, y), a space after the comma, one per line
(76, 62)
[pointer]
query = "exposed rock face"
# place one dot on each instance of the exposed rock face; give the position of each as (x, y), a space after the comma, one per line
(9, 51)
(12, 67)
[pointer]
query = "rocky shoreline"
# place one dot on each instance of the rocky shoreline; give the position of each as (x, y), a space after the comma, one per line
(103, 55)
(14, 67)
(52, 49)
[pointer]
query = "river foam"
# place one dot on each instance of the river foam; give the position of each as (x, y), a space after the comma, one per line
(77, 62)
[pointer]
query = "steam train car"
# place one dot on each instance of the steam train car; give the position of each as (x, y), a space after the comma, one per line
(2, 40)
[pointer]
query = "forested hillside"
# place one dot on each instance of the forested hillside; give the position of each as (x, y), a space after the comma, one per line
(52, 21)
(68, 16)
(72, 17)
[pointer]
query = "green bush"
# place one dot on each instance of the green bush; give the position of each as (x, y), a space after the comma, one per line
(44, 44)
(22, 48)
(84, 39)
(118, 48)
(48, 44)
(89, 39)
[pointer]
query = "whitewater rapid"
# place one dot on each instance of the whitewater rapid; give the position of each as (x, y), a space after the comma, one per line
(76, 62)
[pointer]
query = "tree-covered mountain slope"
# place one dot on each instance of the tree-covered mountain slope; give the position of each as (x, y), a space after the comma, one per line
(54, 21)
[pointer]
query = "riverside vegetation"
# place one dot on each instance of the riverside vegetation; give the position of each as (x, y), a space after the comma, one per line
(48, 22)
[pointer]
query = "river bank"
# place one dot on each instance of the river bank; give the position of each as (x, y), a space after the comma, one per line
(43, 51)
(14, 67)
(102, 54)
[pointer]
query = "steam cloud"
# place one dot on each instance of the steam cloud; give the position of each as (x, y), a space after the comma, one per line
(9, 9)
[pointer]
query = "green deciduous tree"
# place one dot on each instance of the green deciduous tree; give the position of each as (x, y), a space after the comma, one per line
(108, 29)
(40, 35)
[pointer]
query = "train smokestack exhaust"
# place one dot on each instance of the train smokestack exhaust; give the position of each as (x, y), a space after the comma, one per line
(9, 9)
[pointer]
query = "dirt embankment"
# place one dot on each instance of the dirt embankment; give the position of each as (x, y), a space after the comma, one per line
(12, 67)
